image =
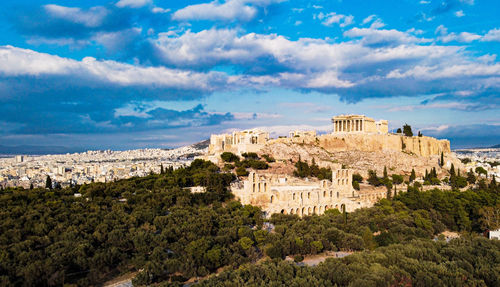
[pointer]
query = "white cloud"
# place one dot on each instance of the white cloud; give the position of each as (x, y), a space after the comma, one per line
(160, 10)
(452, 71)
(459, 13)
(369, 19)
(23, 62)
(334, 18)
(372, 36)
(424, 2)
(242, 10)
(93, 17)
(133, 3)
(463, 37)
(492, 35)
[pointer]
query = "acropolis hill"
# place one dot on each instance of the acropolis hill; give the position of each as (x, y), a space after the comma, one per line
(356, 144)
(349, 133)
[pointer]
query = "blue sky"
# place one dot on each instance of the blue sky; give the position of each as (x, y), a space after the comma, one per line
(149, 73)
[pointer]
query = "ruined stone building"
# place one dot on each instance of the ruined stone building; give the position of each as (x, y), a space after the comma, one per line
(289, 195)
(238, 142)
(358, 124)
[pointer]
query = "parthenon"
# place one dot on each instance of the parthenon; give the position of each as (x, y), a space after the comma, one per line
(358, 123)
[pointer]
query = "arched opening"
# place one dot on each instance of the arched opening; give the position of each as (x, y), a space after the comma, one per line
(265, 186)
(309, 210)
(338, 181)
(294, 196)
(301, 195)
(338, 194)
(253, 187)
(336, 206)
(331, 193)
(297, 211)
(320, 209)
(308, 195)
(326, 207)
(283, 211)
(303, 211)
(324, 193)
(291, 211)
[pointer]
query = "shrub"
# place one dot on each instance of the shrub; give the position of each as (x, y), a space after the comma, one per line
(241, 171)
(229, 157)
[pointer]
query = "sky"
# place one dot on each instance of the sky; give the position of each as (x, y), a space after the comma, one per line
(130, 74)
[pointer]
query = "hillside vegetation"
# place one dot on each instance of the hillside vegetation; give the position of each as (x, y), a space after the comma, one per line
(155, 225)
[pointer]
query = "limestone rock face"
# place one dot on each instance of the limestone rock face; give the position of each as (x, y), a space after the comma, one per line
(364, 152)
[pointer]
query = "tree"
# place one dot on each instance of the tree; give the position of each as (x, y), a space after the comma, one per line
(229, 157)
(162, 171)
(385, 172)
(397, 179)
(441, 163)
(481, 170)
(419, 134)
(373, 178)
(407, 130)
(399, 131)
(48, 182)
(471, 178)
(452, 170)
(412, 175)
(241, 171)
(31, 186)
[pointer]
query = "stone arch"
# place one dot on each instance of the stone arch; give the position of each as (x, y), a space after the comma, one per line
(324, 193)
(320, 210)
(253, 187)
(331, 193)
(294, 196)
(291, 211)
(283, 211)
(336, 206)
(338, 181)
(303, 211)
(338, 194)
(326, 208)
(309, 210)
(272, 198)
(297, 211)
(308, 195)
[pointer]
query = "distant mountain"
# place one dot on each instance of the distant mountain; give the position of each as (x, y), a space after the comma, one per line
(201, 145)
(496, 146)
(34, 150)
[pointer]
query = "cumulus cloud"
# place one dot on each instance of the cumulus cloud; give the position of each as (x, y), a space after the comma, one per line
(23, 62)
(133, 3)
(464, 37)
(241, 10)
(92, 17)
(492, 35)
(334, 18)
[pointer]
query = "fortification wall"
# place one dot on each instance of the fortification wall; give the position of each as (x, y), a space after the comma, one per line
(421, 146)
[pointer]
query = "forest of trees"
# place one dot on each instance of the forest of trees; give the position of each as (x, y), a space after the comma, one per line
(49, 237)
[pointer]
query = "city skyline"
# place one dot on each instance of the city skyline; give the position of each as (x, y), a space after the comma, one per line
(141, 73)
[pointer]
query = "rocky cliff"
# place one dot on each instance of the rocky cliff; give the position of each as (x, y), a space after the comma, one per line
(421, 146)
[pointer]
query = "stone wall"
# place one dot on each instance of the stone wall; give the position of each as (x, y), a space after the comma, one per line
(421, 146)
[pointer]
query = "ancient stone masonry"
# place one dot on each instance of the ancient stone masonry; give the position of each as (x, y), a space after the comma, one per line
(288, 195)
(358, 124)
(238, 142)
